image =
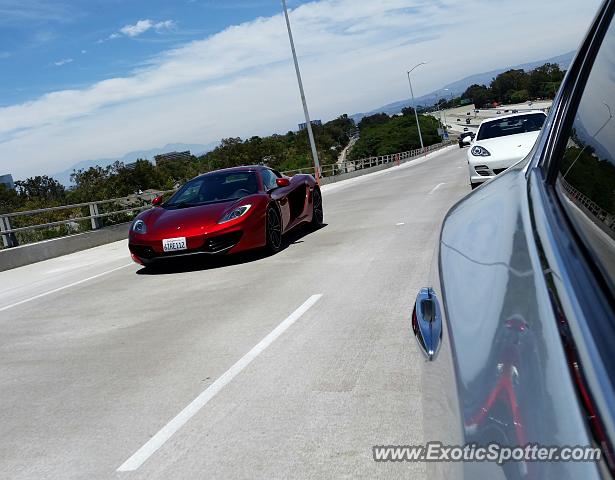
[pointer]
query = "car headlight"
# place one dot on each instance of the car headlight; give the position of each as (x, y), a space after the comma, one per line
(235, 213)
(479, 151)
(139, 227)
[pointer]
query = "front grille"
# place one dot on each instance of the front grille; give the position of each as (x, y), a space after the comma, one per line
(497, 171)
(217, 244)
(221, 242)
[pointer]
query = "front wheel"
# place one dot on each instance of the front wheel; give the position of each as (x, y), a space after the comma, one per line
(273, 230)
(317, 211)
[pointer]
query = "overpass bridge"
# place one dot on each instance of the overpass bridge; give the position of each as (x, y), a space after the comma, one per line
(291, 365)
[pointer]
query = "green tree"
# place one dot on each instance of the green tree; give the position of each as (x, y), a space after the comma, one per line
(503, 86)
(480, 95)
(519, 96)
(40, 187)
(396, 134)
(9, 200)
(544, 81)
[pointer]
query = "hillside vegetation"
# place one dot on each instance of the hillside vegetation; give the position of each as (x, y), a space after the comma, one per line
(384, 135)
(512, 86)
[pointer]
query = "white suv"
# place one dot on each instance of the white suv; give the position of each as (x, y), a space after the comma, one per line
(501, 142)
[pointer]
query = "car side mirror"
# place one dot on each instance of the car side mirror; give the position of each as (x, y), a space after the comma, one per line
(427, 322)
(156, 201)
(282, 182)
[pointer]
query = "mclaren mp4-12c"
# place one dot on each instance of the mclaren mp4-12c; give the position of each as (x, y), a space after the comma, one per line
(224, 212)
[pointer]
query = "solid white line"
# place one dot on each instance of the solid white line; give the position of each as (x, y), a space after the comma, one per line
(59, 289)
(436, 187)
(158, 440)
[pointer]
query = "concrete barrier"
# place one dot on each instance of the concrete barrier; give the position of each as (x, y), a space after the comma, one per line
(363, 171)
(56, 247)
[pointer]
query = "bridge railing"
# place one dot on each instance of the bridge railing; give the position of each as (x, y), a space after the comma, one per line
(19, 228)
(595, 211)
(363, 163)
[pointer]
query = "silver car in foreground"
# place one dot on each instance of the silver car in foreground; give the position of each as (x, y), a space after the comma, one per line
(517, 325)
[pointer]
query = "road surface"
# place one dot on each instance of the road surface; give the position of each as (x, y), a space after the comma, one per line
(287, 366)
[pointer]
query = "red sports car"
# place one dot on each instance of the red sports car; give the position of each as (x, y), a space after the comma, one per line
(226, 211)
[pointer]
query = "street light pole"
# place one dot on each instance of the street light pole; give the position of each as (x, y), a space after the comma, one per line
(416, 115)
(444, 113)
(305, 107)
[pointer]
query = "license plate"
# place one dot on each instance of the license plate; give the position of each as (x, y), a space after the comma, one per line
(174, 244)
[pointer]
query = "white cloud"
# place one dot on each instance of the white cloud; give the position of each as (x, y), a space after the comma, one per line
(240, 81)
(137, 29)
(63, 61)
(143, 26)
(166, 25)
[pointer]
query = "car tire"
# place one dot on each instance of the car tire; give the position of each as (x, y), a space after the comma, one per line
(273, 230)
(317, 210)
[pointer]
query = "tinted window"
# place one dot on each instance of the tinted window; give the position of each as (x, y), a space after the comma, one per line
(214, 187)
(586, 180)
(532, 122)
(268, 179)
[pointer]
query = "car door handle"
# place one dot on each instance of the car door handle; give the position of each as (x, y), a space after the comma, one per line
(427, 322)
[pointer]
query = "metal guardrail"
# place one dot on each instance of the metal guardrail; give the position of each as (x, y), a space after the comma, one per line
(95, 217)
(354, 165)
(599, 213)
(143, 201)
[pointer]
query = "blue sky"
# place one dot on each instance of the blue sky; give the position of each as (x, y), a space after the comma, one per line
(82, 80)
(48, 45)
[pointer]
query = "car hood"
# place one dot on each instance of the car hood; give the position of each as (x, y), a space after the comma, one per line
(518, 145)
(160, 219)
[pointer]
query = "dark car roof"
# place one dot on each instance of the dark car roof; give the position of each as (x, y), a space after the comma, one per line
(242, 168)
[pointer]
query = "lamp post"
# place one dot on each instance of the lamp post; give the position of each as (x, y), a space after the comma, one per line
(440, 112)
(444, 112)
(416, 115)
(305, 107)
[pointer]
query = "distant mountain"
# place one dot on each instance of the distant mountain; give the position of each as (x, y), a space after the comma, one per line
(460, 86)
(195, 148)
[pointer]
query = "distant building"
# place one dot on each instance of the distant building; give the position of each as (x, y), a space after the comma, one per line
(172, 157)
(7, 181)
(315, 123)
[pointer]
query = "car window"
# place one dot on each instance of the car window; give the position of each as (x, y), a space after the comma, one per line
(532, 122)
(214, 187)
(269, 179)
(586, 177)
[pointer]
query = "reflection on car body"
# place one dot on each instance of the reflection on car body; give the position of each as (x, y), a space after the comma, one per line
(524, 279)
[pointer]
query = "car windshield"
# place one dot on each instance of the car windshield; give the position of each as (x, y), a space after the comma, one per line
(214, 188)
(532, 122)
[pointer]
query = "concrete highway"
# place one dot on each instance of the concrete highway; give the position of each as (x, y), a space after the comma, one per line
(284, 366)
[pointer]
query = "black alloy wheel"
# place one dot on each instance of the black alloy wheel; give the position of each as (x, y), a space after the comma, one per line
(317, 211)
(274, 230)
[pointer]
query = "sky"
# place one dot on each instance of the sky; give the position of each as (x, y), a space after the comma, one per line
(82, 80)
